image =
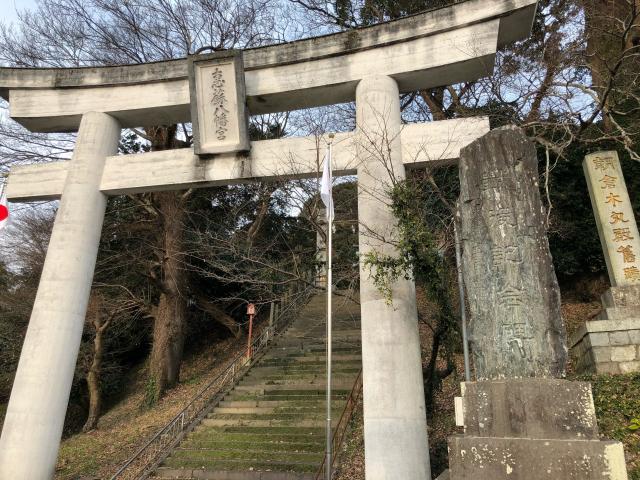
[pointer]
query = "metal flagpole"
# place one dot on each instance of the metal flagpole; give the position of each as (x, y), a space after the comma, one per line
(329, 460)
(463, 309)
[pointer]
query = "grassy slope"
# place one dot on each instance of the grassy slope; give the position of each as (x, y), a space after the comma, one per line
(128, 425)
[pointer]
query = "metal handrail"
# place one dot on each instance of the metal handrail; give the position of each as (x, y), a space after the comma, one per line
(341, 428)
(147, 458)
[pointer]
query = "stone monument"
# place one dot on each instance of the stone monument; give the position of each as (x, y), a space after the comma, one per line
(514, 299)
(521, 420)
(611, 342)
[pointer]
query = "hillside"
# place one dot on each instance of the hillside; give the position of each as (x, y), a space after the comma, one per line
(129, 423)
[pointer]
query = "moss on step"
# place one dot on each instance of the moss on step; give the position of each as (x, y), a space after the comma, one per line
(245, 455)
(243, 465)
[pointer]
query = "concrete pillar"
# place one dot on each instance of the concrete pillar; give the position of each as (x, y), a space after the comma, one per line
(35, 415)
(395, 426)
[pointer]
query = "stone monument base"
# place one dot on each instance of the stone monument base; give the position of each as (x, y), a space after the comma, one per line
(611, 342)
(531, 429)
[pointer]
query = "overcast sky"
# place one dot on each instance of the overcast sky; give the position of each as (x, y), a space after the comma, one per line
(8, 10)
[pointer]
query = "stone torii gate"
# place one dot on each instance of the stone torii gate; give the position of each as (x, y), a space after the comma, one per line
(370, 65)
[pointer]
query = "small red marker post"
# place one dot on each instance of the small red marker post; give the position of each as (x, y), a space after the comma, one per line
(251, 311)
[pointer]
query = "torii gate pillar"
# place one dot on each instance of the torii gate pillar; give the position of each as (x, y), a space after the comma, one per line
(35, 415)
(395, 424)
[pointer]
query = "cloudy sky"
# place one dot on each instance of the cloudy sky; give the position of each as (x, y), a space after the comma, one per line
(8, 10)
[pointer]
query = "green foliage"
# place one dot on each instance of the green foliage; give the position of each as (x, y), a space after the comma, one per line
(150, 393)
(423, 215)
(366, 12)
(617, 403)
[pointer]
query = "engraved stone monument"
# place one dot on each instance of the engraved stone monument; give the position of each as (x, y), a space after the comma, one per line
(521, 420)
(611, 343)
(514, 300)
(218, 108)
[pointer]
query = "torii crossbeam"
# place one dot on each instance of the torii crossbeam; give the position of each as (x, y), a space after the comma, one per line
(371, 66)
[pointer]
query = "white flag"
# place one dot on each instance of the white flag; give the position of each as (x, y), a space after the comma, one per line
(4, 211)
(326, 187)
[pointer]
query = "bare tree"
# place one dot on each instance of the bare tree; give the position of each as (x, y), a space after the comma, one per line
(65, 33)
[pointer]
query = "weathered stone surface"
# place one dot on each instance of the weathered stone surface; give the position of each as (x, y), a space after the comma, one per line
(601, 354)
(627, 296)
(619, 338)
(598, 339)
(610, 368)
(619, 313)
(481, 458)
(628, 367)
(531, 408)
(603, 326)
(516, 325)
(623, 354)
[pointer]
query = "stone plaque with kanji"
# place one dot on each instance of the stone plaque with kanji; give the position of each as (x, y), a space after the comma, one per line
(614, 217)
(218, 106)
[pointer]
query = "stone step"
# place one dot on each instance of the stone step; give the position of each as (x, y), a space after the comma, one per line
(311, 338)
(282, 410)
(301, 369)
(285, 422)
(193, 454)
(315, 402)
(318, 413)
(319, 348)
(271, 426)
(167, 473)
(268, 389)
(304, 358)
(242, 465)
(255, 443)
(259, 386)
(297, 377)
(298, 362)
(309, 434)
(314, 397)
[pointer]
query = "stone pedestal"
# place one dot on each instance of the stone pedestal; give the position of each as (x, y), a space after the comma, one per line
(532, 429)
(611, 342)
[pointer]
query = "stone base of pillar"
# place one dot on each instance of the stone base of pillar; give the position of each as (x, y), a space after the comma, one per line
(481, 458)
(611, 343)
(532, 429)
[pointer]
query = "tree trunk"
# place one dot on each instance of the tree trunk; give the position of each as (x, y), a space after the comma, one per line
(93, 383)
(219, 315)
(171, 312)
(100, 325)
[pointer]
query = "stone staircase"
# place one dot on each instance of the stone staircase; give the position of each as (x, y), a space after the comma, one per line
(271, 426)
